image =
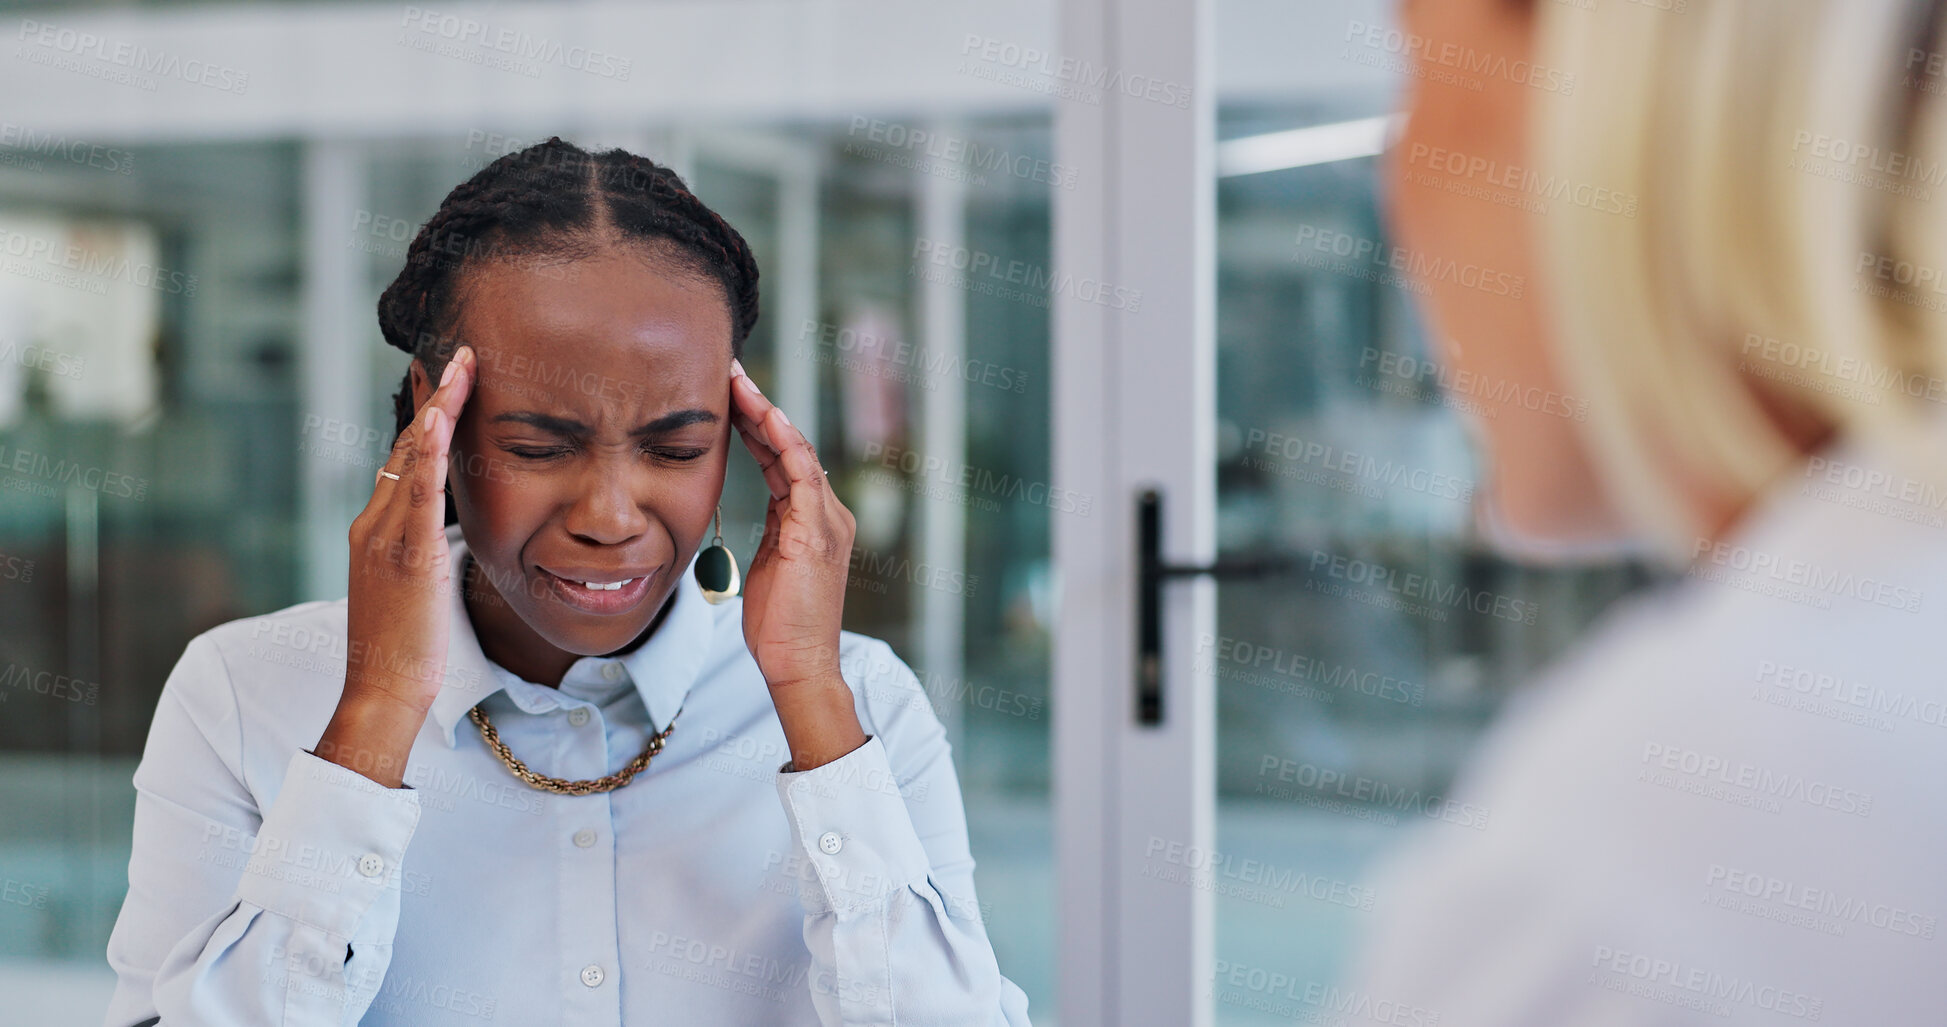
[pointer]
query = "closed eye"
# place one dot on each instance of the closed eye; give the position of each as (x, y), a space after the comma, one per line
(552, 452)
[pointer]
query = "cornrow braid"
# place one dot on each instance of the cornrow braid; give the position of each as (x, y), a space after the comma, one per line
(552, 201)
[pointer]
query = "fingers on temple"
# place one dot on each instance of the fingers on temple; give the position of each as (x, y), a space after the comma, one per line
(768, 462)
(795, 453)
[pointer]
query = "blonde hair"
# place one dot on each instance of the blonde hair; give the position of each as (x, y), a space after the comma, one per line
(1747, 252)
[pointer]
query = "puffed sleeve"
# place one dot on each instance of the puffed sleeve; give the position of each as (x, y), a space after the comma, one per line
(885, 872)
(245, 914)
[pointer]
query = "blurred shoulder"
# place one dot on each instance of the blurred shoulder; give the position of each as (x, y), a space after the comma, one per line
(1699, 782)
(1696, 787)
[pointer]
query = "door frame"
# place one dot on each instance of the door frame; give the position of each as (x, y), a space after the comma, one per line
(1134, 370)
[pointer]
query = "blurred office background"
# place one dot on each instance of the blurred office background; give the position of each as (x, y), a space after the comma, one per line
(190, 416)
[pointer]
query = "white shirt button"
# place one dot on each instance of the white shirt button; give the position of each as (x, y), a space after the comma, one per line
(371, 865)
(584, 837)
(830, 843)
(591, 975)
(578, 716)
(612, 671)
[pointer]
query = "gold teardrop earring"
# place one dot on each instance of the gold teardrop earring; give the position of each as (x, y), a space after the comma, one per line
(716, 568)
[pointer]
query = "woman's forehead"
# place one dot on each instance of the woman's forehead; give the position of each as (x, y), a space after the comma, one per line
(614, 304)
(609, 322)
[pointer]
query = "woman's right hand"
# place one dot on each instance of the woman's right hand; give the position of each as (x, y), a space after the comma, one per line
(397, 609)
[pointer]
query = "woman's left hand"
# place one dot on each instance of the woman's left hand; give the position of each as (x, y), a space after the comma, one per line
(794, 591)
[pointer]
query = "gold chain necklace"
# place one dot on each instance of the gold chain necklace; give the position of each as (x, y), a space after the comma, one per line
(563, 786)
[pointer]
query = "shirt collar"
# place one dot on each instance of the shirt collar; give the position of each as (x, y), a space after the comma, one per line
(663, 668)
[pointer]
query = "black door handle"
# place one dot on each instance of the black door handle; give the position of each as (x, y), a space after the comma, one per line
(1152, 572)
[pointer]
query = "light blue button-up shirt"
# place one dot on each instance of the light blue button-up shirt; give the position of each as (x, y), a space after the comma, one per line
(269, 886)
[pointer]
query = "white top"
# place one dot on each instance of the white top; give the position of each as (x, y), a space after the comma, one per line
(1726, 808)
(268, 886)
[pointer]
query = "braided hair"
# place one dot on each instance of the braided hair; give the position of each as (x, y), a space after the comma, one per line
(554, 201)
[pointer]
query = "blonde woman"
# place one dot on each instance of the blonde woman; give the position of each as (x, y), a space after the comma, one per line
(1725, 807)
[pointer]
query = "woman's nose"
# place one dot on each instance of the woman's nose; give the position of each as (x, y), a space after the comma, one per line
(605, 510)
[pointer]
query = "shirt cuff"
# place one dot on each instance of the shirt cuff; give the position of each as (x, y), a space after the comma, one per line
(330, 846)
(849, 826)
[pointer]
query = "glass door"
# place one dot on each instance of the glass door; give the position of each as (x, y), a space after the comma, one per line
(1268, 680)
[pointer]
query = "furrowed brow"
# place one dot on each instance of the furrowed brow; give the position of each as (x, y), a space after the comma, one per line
(673, 422)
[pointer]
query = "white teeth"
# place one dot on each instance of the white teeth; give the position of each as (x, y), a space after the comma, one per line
(610, 587)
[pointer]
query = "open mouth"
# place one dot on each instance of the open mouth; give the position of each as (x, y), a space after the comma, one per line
(605, 595)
